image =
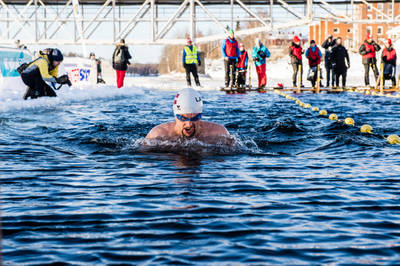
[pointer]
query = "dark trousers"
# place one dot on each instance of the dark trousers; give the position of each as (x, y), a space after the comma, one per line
(295, 70)
(191, 68)
(342, 73)
(393, 78)
(37, 86)
(366, 72)
(241, 78)
(228, 63)
(329, 69)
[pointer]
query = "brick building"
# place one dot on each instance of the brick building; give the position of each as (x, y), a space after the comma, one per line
(354, 34)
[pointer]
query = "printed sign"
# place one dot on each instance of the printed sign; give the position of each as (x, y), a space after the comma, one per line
(10, 59)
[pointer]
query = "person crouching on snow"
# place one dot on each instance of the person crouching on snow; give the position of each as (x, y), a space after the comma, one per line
(242, 66)
(43, 69)
(260, 53)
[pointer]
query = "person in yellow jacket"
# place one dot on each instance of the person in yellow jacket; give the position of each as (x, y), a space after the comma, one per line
(190, 60)
(43, 69)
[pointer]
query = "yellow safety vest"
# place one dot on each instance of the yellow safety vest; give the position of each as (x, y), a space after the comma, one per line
(191, 56)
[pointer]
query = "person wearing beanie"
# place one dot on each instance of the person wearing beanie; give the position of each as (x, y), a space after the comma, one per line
(389, 58)
(368, 51)
(230, 52)
(295, 53)
(328, 45)
(43, 69)
(190, 60)
(260, 55)
(340, 61)
(120, 61)
(188, 110)
(242, 66)
(314, 59)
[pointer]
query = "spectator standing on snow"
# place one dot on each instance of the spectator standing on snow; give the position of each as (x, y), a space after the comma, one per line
(340, 61)
(230, 52)
(120, 61)
(260, 55)
(190, 60)
(328, 44)
(389, 58)
(368, 51)
(242, 66)
(314, 59)
(295, 53)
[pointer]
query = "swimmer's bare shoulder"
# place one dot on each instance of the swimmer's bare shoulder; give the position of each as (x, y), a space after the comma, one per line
(211, 129)
(165, 130)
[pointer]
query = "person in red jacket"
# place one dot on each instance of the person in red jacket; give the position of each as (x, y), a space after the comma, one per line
(314, 59)
(389, 58)
(295, 53)
(242, 66)
(230, 52)
(368, 51)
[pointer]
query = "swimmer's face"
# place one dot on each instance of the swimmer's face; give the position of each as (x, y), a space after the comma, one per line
(188, 127)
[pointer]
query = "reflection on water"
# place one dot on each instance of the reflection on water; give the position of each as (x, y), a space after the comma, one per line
(79, 187)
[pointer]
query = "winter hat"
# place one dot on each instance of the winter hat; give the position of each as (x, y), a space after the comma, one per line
(296, 39)
(312, 41)
(389, 41)
(188, 101)
(369, 36)
(231, 31)
(258, 41)
(122, 41)
(56, 55)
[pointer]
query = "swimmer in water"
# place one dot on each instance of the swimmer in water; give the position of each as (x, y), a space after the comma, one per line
(188, 108)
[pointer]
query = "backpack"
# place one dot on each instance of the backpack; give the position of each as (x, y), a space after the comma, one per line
(119, 56)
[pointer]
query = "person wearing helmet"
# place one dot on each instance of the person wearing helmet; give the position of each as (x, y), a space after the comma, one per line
(368, 51)
(43, 69)
(188, 109)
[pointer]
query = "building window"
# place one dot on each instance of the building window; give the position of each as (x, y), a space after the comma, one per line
(336, 30)
(368, 8)
(349, 31)
(369, 16)
(379, 30)
(380, 6)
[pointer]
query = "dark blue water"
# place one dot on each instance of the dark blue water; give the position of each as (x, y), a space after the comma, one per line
(298, 189)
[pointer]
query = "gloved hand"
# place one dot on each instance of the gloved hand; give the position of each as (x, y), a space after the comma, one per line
(64, 80)
(199, 63)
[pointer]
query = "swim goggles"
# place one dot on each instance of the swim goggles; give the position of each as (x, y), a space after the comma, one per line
(192, 119)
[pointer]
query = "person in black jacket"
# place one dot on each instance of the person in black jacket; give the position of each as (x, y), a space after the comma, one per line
(120, 61)
(389, 58)
(368, 51)
(328, 44)
(340, 61)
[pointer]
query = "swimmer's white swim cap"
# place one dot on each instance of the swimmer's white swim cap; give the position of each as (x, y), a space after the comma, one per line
(188, 101)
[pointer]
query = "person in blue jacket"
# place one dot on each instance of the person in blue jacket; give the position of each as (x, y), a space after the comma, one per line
(260, 53)
(190, 60)
(230, 52)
